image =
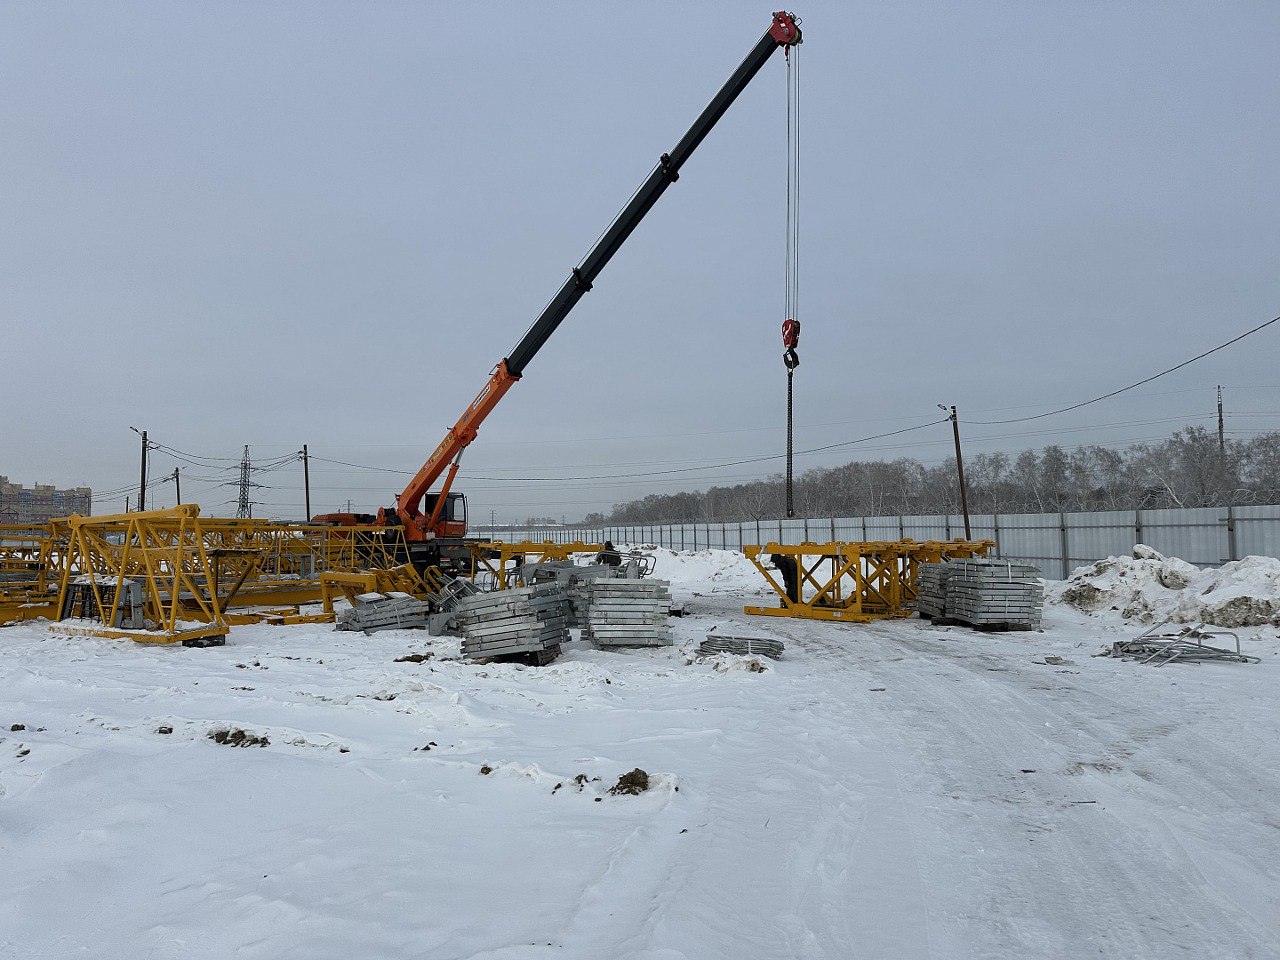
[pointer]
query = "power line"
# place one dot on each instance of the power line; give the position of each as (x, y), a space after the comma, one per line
(1114, 393)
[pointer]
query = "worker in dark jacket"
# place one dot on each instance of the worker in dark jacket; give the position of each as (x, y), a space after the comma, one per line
(609, 555)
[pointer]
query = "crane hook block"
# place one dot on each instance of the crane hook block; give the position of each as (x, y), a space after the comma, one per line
(790, 340)
(791, 333)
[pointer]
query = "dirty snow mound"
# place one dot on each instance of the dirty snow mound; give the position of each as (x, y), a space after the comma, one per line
(1243, 593)
(1149, 586)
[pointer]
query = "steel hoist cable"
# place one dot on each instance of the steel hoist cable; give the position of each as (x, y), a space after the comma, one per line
(791, 269)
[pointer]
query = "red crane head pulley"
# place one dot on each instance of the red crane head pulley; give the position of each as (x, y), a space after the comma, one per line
(786, 29)
(790, 340)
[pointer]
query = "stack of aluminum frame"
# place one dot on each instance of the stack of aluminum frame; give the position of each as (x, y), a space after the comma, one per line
(371, 612)
(628, 613)
(520, 620)
(739, 642)
(984, 592)
(575, 580)
(931, 589)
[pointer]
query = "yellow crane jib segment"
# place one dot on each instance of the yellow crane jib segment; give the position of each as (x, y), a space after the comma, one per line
(855, 582)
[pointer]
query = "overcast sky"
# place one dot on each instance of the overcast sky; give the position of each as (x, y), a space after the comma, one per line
(278, 223)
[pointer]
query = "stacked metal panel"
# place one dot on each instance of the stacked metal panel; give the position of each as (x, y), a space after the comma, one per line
(994, 593)
(743, 644)
(575, 580)
(521, 620)
(371, 612)
(628, 613)
(931, 589)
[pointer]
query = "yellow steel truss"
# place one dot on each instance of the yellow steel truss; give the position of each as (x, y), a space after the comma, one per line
(164, 551)
(254, 563)
(855, 581)
(32, 558)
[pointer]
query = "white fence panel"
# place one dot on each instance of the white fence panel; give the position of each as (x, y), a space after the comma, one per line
(884, 528)
(1257, 531)
(927, 528)
(1092, 536)
(1197, 535)
(1034, 538)
(1205, 536)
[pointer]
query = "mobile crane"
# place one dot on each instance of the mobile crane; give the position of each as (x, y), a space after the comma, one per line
(435, 523)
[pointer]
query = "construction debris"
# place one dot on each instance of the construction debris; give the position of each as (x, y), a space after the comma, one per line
(984, 593)
(443, 620)
(371, 612)
(1185, 646)
(742, 644)
(531, 622)
(628, 613)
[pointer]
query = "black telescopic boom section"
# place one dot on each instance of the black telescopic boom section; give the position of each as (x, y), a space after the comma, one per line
(666, 173)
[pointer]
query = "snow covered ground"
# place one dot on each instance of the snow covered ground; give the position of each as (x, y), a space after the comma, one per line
(891, 791)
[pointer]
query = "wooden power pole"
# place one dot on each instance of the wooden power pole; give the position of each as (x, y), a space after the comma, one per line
(964, 493)
(306, 480)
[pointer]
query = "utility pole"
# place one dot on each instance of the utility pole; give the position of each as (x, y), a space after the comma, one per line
(177, 486)
(1222, 449)
(142, 476)
(306, 479)
(243, 510)
(493, 522)
(964, 493)
(126, 503)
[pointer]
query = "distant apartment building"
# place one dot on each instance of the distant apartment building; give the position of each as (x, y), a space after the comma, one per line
(18, 504)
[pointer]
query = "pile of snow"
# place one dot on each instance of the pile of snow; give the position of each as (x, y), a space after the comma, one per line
(707, 571)
(1149, 586)
(1243, 593)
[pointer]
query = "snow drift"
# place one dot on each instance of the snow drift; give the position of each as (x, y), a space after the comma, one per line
(1149, 586)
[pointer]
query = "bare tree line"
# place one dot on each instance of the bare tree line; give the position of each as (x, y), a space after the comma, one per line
(1186, 470)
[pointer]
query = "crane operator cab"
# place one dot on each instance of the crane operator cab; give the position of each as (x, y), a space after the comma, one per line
(453, 518)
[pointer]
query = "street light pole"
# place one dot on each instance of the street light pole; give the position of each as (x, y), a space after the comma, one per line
(964, 493)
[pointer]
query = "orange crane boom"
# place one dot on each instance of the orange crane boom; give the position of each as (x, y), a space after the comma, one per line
(441, 520)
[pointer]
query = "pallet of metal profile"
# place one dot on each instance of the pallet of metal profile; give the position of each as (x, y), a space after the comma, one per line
(855, 582)
(579, 590)
(629, 613)
(931, 590)
(993, 594)
(371, 612)
(571, 578)
(516, 621)
(150, 579)
(740, 642)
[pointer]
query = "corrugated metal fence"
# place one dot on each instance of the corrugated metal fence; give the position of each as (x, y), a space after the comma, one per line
(1055, 542)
